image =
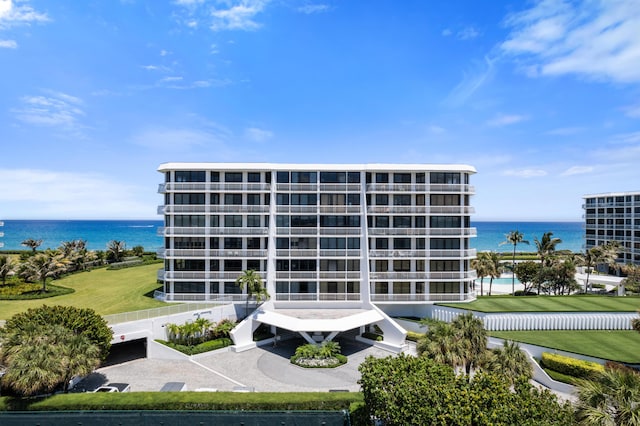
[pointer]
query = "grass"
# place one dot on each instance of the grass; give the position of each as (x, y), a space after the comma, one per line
(105, 291)
(613, 345)
(550, 304)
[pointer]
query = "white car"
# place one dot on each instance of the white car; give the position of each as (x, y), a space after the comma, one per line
(114, 387)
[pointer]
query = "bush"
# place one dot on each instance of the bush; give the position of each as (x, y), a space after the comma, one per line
(210, 345)
(413, 336)
(572, 366)
(372, 336)
(326, 355)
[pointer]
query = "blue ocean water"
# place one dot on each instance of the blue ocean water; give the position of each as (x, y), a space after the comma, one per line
(98, 233)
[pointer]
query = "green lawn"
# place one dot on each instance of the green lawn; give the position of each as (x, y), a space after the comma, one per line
(105, 291)
(550, 304)
(622, 346)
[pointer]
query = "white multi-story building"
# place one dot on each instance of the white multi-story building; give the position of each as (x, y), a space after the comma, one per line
(614, 216)
(338, 246)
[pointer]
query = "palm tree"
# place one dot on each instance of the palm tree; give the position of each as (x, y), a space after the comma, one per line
(635, 323)
(443, 344)
(79, 357)
(251, 284)
(494, 268)
(603, 254)
(7, 267)
(32, 244)
(43, 266)
(514, 238)
(116, 250)
(474, 336)
(510, 362)
(546, 246)
(613, 399)
(482, 266)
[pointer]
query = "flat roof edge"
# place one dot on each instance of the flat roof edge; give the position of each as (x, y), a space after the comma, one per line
(314, 166)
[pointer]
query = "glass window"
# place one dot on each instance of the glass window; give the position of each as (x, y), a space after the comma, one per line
(382, 199)
(253, 264)
(353, 177)
(233, 265)
(382, 177)
(253, 199)
(402, 178)
(304, 177)
(253, 243)
(282, 221)
(420, 178)
(188, 198)
(253, 177)
(445, 221)
(233, 177)
(333, 177)
(303, 199)
(353, 243)
(233, 221)
(381, 288)
(232, 243)
(444, 244)
(402, 265)
(215, 176)
(282, 264)
(214, 199)
(282, 243)
(421, 221)
(253, 221)
(382, 243)
(444, 178)
(230, 287)
(444, 200)
(190, 176)
(382, 265)
(233, 199)
(304, 221)
(332, 243)
(402, 221)
(353, 199)
(282, 177)
(382, 221)
(188, 287)
(189, 221)
(402, 243)
(402, 200)
(282, 199)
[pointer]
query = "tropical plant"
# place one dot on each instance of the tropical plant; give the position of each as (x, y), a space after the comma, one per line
(474, 338)
(635, 323)
(613, 399)
(223, 328)
(7, 267)
(632, 281)
(251, 284)
(514, 238)
(546, 246)
(603, 254)
(495, 268)
(483, 267)
(33, 244)
(116, 250)
(528, 274)
(137, 251)
(42, 266)
(509, 362)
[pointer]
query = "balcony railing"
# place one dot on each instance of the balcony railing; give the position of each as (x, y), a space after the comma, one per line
(315, 252)
(423, 253)
(432, 297)
(420, 187)
(313, 187)
(319, 209)
(315, 230)
(212, 186)
(459, 232)
(433, 276)
(200, 275)
(421, 209)
(317, 297)
(168, 231)
(168, 253)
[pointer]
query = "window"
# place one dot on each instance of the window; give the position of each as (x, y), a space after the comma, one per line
(282, 177)
(332, 243)
(303, 264)
(233, 199)
(339, 221)
(253, 221)
(190, 176)
(282, 221)
(420, 198)
(353, 199)
(189, 221)
(303, 199)
(402, 178)
(444, 178)
(401, 288)
(232, 288)
(353, 177)
(420, 244)
(402, 200)
(382, 177)
(333, 177)
(253, 199)
(282, 264)
(188, 287)
(382, 200)
(233, 221)
(420, 178)
(381, 288)
(214, 221)
(233, 265)
(253, 243)
(443, 287)
(214, 243)
(282, 199)
(402, 243)
(382, 265)
(444, 244)
(232, 243)
(253, 264)
(445, 222)
(214, 265)
(444, 200)
(332, 199)
(215, 176)
(303, 243)
(402, 221)
(253, 177)
(304, 221)
(382, 243)
(233, 177)
(189, 265)
(403, 265)
(420, 221)
(444, 265)
(282, 243)
(188, 198)
(382, 221)
(353, 264)
(304, 177)
(214, 198)
(353, 243)
(188, 243)
(332, 265)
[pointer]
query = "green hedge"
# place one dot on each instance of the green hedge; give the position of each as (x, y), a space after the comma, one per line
(341, 361)
(210, 345)
(31, 291)
(263, 401)
(372, 336)
(571, 366)
(413, 336)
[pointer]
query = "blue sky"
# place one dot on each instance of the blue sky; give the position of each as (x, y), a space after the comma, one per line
(542, 97)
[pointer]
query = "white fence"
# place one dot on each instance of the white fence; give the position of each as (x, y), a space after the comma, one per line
(156, 312)
(544, 320)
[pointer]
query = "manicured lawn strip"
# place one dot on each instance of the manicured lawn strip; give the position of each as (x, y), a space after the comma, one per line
(105, 291)
(328, 401)
(614, 345)
(550, 304)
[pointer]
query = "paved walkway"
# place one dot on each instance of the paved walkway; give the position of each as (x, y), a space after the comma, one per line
(264, 369)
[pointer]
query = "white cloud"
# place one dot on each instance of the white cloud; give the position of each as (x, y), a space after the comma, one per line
(525, 173)
(238, 15)
(506, 119)
(8, 44)
(626, 138)
(596, 39)
(577, 170)
(13, 15)
(467, 33)
(258, 135)
(471, 82)
(180, 139)
(57, 109)
(313, 8)
(446, 32)
(51, 194)
(436, 129)
(565, 131)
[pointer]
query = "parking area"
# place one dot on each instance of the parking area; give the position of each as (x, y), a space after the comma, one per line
(264, 369)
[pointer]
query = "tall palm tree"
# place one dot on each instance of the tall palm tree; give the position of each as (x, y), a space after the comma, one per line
(613, 399)
(482, 266)
(474, 336)
(79, 357)
(42, 266)
(442, 343)
(32, 244)
(116, 250)
(494, 268)
(251, 284)
(603, 254)
(7, 267)
(514, 237)
(510, 362)
(546, 246)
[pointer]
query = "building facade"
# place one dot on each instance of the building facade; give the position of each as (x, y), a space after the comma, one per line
(614, 216)
(388, 238)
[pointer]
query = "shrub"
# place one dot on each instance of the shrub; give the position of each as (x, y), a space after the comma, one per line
(372, 336)
(326, 355)
(572, 366)
(210, 345)
(413, 336)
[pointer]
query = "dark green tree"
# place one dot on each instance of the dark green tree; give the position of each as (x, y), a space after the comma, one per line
(251, 284)
(514, 238)
(43, 266)
(528, 273)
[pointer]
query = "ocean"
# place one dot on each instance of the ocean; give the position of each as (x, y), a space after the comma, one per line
(97, 233)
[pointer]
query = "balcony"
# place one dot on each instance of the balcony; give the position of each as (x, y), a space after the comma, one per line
(315, 252)
(433, 276)
(315, 275)
(315, 231)
(169, 231)
(212, 186)
(317, 297)
(202, 253)
(421, 298)
(202, 275)
(420, 187)
(421, 210)
(423, 253)
(456, 232)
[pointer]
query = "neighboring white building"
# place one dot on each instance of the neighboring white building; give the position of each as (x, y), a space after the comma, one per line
(614, 216)
(338, 246)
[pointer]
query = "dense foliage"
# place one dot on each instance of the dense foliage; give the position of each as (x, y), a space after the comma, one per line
(416, 390)
(322, 355)
(572, 366)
